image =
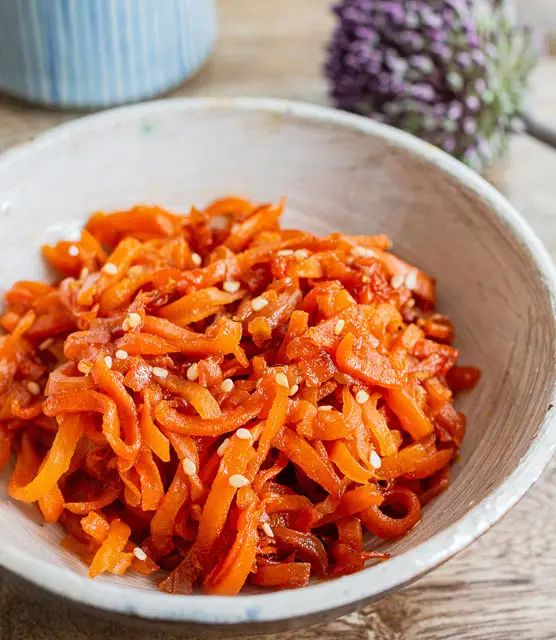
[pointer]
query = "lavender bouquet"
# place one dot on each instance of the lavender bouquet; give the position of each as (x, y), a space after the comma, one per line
(453, 72)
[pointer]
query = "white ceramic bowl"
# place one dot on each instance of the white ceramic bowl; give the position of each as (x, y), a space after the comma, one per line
(339, 172)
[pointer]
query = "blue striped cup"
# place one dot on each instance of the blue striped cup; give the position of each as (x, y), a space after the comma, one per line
(97, 53)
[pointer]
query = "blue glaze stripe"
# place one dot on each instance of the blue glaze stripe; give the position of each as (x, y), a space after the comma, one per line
(28, 71)
(36, 40)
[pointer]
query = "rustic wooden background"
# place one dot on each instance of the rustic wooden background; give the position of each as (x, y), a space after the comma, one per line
(504, 586)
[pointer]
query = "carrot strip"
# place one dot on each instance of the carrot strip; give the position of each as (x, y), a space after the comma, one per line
(347, 464)
(108, 554)
(163, 521)
(284, 575)
(300, 452)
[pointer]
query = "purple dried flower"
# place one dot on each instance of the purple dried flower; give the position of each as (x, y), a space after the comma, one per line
(433, 68)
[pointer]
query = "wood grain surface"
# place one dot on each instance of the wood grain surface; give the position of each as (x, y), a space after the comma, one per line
(504, 586)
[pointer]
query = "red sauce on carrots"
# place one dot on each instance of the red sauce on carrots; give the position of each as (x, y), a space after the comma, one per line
(216, 404)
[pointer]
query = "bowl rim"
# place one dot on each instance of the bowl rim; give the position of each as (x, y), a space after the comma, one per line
(370, 583)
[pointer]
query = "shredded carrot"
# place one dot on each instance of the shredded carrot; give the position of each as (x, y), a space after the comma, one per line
(217, 401)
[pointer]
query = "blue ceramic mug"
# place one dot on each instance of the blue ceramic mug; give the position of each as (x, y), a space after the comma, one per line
(96, 53)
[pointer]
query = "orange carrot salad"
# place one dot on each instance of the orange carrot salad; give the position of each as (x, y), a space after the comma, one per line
(218, 401)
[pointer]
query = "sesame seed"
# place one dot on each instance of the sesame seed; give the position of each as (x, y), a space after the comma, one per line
(159, 372)
(196, 259)
(339, 327)
(293, 389)
(361, 397)
(121, 354)
(110, 268)
(365, 279)
(222, 448)
(132, 321)
(219, 222)
(258, 383)
(397, 281)
(268, 530)
(231, 286)
(243, 434)
(282, 380)
(325, 407)
(73, 250)
(227, 385)
(45, 344)
(259, 303)
(192, 372)
(189, 467)
(83, 273)
(285, 252)
(84, 366)
(139, 553)
(108, 361)
(410, 303)
(362, 252)
(33, 388)
(135, 270)
(375, 460)
(237, 481)
(411, 280)
(301, 254)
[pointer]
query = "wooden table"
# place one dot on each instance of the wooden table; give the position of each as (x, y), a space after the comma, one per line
(504, 586)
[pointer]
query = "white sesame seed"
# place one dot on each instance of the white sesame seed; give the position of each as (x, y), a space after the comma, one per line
(243, 434)
(196, 259)
(219, 222)
(293, 389)
(410, 303)
(139, 553)
(135, 270)
(325, 407)
(285, 252)
(189, 467)
(222, 448)
(259, 303)
(268, 530)
(108, 361)
(375, 460)
(339, 326)
(227, 385)
(84, 366)
(301, 254)
(397, 281)
(45, 344)
(33, 388)
(73, 250)
(411, 280)
(121, 354)
(361, 397)
(159, 372)
(83, 273)
(192, 372)
(110, 268)
(237, 481)
(132, 321)
(282, 380)
(365, 279)
(362, 252)
(231, 286)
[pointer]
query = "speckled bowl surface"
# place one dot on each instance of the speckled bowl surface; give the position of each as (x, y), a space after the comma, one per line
(339, 172)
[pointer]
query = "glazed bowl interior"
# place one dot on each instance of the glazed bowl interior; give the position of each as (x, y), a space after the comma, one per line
(338, 172)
